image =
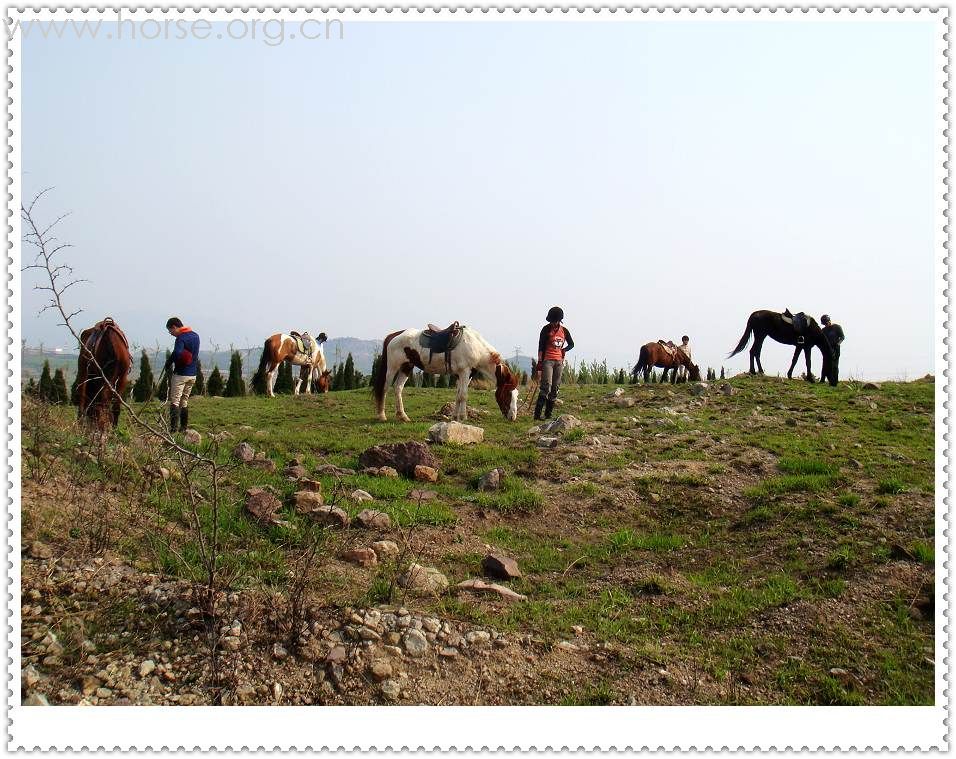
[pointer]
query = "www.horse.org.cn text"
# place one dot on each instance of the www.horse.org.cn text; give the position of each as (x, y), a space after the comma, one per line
(272, 32)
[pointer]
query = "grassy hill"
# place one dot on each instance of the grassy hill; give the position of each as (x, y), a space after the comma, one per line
(770, 543)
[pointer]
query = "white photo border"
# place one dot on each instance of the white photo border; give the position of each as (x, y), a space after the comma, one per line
(483, 728)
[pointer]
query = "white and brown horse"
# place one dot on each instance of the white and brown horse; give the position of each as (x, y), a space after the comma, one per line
(282, 347)
(402, 353)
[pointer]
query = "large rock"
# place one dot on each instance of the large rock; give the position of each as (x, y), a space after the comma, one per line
(403, 457)
(500, 566)
(480, 586)
(244, 453)
(330, 515)
(263, 505)
(371, 519)
(455, 433)
(361, 495)
(307, 500)
(385, 549)
(563, 423)
(421, 579)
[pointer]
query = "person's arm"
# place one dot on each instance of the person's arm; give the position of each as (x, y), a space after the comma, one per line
(543, 343)
(840, 336)
(569, 341)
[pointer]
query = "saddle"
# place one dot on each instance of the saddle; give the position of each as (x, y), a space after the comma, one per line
(98, 332)
(303, 343)
(438, 340)
(668, 346)
(798, 321)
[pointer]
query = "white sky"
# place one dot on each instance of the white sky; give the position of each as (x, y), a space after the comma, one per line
(652, 178)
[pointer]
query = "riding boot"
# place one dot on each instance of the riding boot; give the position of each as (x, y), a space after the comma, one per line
(549, 407)
(183, 418)
(173, 417)
(539, 406)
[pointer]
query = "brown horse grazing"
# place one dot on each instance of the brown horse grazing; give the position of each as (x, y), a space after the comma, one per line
(281, 347)
(764, 324)
(655, 354)
(104, 360)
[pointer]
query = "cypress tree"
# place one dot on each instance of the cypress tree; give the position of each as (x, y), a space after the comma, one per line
(338, 377)
(31, 388)
(46, 383)
(60, 394)
(722, 373)
(143, 387)
(285, 379)
(75, 391)
(348, 373)
(428, 380)
(200, 387)
(259, 382)
(376, 363)
(215, 385)
(235, 385)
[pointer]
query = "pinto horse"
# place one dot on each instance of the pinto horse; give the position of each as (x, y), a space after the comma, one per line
(403, 352)
(655, 354)
(764, 324)
(104, 361)
(281, 347)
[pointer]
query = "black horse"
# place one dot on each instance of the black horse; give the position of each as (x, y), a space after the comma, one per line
(764, 324)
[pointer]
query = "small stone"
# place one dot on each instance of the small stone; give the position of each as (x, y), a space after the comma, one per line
(415, 642)
(478, 638)
(391, 690)
(425, 473)
(36, 699)
(565, 645)
(727, 389)
(422, 495)
(840, 674)
(30, 676)
(547, 442)
(364, 557)
(374, 520)
(262, 505)
(307, 500)
(244, 453)
(295, 471)
(448, 652)
(387, 471)
(39, 550)
(192, 437)
(330, 515)
(455, 433)
(500, 567)
(231, 643)
(331, 470)
(103, 693)
(380, 670)
(492, 480)
(313, 486)
(423, 579)
(870, 386)
(624, 402)
(147, 668)
(361, 495)
(699, 388)
(385, 549)
(246, 693)
(89, 684)
(337, 655)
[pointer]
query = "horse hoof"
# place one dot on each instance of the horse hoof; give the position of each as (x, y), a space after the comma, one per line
(404, 418)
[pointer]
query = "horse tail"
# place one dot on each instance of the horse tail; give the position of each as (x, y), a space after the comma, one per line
(745, 339)
(641, 361)
(381, 375)
(263, 362)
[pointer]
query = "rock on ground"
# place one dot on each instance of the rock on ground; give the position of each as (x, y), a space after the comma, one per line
(364, 557)
(330, 470)
(361, 495)
(455, 433)
(385, 549)
(491, 480)
(426, 474)
(330, 515)
(403, 457)
(371, 519)
(563, 423)
(500, 567)
(263, 505)
(307, 500)
(480, 586)
(244, 453)
(423, 579)
(192, 437)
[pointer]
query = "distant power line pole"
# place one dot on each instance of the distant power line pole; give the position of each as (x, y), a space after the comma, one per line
(517, 351)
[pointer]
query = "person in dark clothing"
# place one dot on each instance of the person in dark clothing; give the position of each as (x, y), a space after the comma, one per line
(553, 343)
(834, 335)
(183, 366)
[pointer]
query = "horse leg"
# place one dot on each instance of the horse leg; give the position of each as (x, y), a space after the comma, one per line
(271, 373)
(461, 397)
(796, 355)
(755, 354)
(400, 381)
(806, 351)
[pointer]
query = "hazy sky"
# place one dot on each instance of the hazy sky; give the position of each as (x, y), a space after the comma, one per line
(652, 178)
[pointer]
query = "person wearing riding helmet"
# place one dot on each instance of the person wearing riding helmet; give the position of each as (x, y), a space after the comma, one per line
(834, 335)
(553, 343)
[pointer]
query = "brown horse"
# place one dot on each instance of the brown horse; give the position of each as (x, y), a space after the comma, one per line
(104, 361)
(655, 354)
(281, 347)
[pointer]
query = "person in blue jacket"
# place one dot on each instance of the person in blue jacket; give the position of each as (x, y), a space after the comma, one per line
(182, 367)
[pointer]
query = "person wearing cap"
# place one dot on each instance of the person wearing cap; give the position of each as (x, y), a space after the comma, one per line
(553, 343)
(834, 335)
(183, 366)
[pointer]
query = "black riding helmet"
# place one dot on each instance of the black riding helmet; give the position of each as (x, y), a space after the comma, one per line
(556, 314)
(825, 319)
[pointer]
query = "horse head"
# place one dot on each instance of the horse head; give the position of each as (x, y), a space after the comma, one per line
(506, 392)
(324, 382)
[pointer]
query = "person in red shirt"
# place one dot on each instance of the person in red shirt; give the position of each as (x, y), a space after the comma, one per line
(554, 342)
